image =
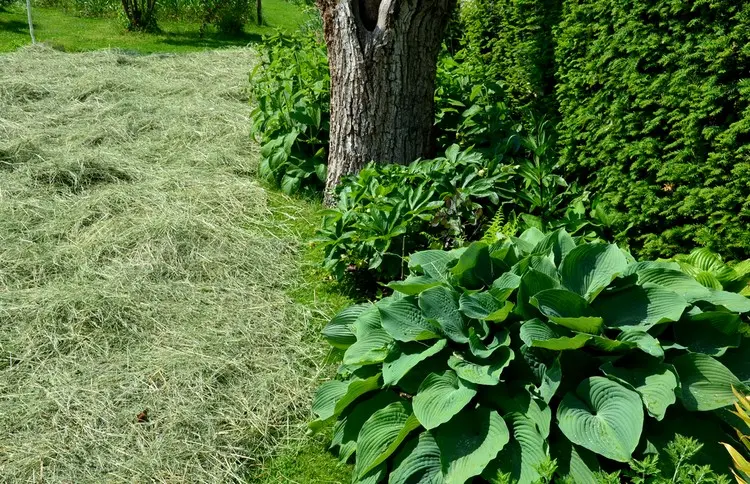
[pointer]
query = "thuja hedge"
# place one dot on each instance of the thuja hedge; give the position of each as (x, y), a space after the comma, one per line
(655, 104)
(512, 40)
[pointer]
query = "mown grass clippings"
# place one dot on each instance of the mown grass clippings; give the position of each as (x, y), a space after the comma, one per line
(142, 272)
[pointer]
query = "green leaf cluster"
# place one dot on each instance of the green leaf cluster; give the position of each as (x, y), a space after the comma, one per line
(654, 98)
(538, 357)
(290, 85)
(386, 212)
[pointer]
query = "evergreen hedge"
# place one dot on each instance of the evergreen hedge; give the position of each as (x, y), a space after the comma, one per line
(512, 40)
(655, 103)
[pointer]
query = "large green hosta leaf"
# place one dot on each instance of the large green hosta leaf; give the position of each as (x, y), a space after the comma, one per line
(339, 331)
(706, 384)
(568, 309)
(655, 382)
(440, 397)
(347, 427)
(480, 349)
(372, 340)
(604, 417)
(644, 341)
(674, 280)
(483, 372)
(640, 307)
(536, 334)
(576, 463)
(588, 269)
(434, 263)
(382, 434)
(418, 462)
(711, 333)
(484, 306)
(469, 442)
(521, 458)
(403, 320)
(334, 396)
(474, 268)
(532, 282)
(440, 304)
(404, 357)
(413, 285)
(559, 242)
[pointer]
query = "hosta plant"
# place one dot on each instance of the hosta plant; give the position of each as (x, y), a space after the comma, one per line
(741, 457)
(535, 358)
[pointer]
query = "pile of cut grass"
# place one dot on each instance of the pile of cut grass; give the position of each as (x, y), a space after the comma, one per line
(146, 328)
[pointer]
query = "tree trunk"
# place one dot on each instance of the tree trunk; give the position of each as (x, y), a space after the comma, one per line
(383, 58)
(259, 11)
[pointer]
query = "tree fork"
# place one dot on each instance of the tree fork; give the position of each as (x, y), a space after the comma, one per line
(383, 60)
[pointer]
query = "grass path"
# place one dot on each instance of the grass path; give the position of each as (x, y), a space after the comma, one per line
(74, 33)
(147, 332)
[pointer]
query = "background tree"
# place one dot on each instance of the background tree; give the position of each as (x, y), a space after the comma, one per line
(141, 14)
(382, 56)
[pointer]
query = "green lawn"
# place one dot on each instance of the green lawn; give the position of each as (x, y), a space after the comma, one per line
(72, 33)
(143, 269)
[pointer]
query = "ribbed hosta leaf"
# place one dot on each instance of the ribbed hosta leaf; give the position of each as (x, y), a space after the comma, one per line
(706, 384)
(640, 307)
(575, 463)
(521, 458)
(440, 304)
(440, 397)
(485, 372)
(537, 334)
(604, 417)
(418, 462)
(339, 332)
(504, 286)
(404, 357)
(382, 434)
(644, 341)
(347, 427)
(559, 242)
(655, 382)
(469, 442)
(532, 282)
(563, 344)
(674, 280)
(333, 397)
(372, 340)
(413, 285)
(481, 349)
(375, 476)
(589, 268)
(474, 268)
(711, 333)
(433, 263)
(567, 309)
(484, 306)
(730, 300)
(403, 320)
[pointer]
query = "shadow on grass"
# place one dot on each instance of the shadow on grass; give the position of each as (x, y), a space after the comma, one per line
(210, 40)
(15, 26)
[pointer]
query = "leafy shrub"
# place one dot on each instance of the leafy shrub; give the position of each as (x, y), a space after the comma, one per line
(741, 458)
(291, 119)
(388, 211)
(655, 104)
(229, 17)
(459, 373)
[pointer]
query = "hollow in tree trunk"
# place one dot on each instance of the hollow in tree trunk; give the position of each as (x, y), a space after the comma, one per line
(383, 60)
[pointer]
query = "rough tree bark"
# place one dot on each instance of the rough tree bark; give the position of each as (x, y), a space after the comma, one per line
(383, 58)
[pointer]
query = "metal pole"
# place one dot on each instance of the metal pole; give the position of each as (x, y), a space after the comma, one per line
(31, 23)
